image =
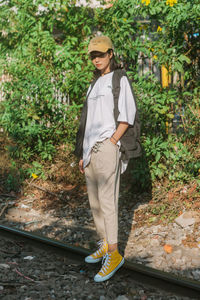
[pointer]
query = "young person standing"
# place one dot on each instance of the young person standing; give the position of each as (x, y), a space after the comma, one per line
(98, 145)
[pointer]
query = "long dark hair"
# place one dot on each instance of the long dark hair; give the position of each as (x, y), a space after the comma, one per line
(113, 65)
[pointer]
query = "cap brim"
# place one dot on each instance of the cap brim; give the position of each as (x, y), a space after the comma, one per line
(98, 49)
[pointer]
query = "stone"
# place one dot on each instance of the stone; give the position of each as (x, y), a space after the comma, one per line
(196, 274)
(139, 248)
(158, 263)
(154, 242)
(29, 257)
(23, 288)
(141, 292)
(132, 291)
(163, 234)
(178, 262)
(158, 252)
(188, 218)
(178, 254)
(121, 297)
(194, 252)
(196, 262)
(183, 261)
(4, 266)
(155, 229)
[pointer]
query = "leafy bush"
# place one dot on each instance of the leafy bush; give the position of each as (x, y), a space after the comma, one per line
(44, 52)
(33, 116)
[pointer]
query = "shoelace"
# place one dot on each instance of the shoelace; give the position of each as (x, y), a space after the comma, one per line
(105, 263)
(99, 251)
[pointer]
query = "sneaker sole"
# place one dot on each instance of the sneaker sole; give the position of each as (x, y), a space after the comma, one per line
(92, 260)
(98, 278)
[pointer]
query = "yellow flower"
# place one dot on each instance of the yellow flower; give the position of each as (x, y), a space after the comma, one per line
(124, 19)
(171, 2)
(155, 57)
(159, 29)
(147, 2)
(34, 175)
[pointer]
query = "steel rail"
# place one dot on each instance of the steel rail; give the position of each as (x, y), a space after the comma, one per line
(175, 283)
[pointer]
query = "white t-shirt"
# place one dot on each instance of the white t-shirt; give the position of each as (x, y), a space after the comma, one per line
(100, 123)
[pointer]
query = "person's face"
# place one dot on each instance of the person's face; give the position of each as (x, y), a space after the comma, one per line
(101, 61)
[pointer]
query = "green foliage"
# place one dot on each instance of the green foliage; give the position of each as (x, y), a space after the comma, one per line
(156, 28)
(48, 70)
(43, 50)
(36, 169)
(169, 158)
(14, 178)
(154, 101)
(169, 150)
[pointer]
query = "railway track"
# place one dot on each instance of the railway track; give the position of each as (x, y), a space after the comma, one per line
(157, 279)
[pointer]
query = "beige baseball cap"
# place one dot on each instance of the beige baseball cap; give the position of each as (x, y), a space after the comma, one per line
(100, 43)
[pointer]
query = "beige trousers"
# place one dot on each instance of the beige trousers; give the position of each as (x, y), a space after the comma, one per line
(102, 178)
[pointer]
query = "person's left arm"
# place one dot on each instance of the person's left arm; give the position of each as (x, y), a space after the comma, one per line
(121, 129)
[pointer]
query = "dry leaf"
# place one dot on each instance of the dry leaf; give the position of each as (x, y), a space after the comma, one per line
(170, 196)
(168, 249)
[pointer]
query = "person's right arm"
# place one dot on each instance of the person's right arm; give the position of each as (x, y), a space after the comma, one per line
(81, 166)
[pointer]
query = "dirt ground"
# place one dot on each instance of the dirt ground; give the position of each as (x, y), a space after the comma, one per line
(60, 181)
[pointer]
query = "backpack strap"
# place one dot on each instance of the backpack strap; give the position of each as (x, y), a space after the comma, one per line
(130, 141)
(117, 75)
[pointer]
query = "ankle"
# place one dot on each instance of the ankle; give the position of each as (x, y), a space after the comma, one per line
(112, 247)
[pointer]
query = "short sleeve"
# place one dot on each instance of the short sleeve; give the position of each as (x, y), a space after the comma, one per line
(88, 91)
(126, 102)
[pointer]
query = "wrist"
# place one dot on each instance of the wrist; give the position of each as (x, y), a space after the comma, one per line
(113, 140)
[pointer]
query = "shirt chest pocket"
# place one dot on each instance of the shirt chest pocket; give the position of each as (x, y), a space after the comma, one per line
(101, 91)
(94, 98)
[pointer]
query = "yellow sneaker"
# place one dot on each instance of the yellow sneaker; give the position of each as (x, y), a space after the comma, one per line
(113, 262)
(99, 254)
